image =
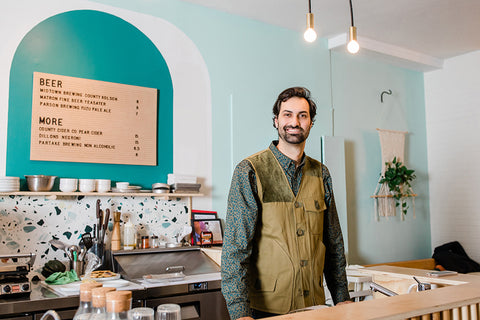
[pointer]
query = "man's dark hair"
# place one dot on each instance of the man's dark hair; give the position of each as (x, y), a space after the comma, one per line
(300, 92)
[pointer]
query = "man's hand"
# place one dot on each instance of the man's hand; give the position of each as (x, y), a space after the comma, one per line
(344, 302)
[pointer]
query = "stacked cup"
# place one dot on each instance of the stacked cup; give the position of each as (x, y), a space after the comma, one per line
(68, 184)
(86, 185)
(103, 185)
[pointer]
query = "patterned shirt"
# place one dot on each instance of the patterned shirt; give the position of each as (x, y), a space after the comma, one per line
(243, 208)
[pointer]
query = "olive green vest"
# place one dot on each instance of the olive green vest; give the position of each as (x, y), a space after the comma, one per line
(286, 267)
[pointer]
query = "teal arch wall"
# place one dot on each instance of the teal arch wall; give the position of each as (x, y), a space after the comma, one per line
(92, 45)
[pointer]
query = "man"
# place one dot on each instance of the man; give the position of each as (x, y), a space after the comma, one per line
(282, 230)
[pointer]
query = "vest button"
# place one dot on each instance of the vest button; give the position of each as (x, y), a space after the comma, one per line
(300, 232)
(317, 205)
(297, 204)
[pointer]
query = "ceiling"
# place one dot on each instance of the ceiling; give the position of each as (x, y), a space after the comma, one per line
(437, 28)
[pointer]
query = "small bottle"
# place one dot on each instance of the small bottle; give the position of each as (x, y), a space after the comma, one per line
(145, 242)
(129, 236)
(154, 242)
(85, 306)
(99, 309)
(118, 304)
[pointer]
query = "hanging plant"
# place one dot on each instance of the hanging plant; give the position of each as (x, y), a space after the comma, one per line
(398, 178)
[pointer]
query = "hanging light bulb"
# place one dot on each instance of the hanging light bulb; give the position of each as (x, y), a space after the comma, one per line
(352, 45)
(310, 35)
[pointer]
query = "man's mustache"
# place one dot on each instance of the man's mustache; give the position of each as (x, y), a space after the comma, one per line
(292, 127)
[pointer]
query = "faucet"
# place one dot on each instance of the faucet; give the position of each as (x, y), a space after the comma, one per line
(51, 313)
(422, 286)
(376, 287)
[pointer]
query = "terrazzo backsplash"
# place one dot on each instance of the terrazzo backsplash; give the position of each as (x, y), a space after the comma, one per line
(29, 222)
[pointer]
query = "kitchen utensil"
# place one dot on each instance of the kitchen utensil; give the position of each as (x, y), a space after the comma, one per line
(97, 212)
(105, 224)
(81, 256)
(40, 182)
(87, 240)
(58, 244)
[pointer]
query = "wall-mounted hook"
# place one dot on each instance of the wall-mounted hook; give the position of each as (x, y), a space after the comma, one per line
(389, 92)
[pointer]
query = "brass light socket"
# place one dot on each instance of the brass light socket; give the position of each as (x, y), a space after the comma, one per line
(310, 20)
(353, 33)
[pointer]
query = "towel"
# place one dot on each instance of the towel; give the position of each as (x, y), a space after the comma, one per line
(62, 277)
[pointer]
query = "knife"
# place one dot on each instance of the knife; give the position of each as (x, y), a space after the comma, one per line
(97, 212)
(105, 223)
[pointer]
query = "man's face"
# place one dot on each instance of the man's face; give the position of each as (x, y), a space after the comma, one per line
(293, 121)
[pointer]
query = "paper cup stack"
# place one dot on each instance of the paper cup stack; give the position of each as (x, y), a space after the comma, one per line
(9, 184)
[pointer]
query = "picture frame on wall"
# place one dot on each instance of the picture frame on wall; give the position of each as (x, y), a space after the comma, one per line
(207, 225)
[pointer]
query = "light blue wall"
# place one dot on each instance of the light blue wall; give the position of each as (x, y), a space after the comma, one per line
(249, 63)
(357, 83)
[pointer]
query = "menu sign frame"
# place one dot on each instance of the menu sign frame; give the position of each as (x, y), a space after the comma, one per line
(93, 121)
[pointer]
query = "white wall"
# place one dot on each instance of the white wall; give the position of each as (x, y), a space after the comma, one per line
(452, 98)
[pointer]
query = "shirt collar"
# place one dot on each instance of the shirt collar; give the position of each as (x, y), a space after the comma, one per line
(284, 161)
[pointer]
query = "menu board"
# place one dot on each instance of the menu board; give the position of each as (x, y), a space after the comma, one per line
(83, 120)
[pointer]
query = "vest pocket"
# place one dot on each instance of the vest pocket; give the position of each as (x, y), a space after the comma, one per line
(315, 212)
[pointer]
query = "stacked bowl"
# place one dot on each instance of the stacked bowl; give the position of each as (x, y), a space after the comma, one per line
(9, 184)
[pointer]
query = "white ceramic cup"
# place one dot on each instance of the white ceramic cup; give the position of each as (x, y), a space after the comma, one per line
(102, 185)
(122, 185)
(86, 185)
(68, 184)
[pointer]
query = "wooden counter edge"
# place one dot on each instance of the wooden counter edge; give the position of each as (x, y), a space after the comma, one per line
(402, 306)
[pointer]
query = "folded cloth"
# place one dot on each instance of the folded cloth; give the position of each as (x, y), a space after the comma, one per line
(62, 277)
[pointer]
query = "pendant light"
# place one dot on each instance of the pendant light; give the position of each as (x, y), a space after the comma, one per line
(353, 45)
(310, 35)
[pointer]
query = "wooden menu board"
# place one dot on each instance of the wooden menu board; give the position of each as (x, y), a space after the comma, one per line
(82, 120)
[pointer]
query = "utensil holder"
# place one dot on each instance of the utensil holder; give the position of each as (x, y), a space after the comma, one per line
(77, 266)
(99, 250)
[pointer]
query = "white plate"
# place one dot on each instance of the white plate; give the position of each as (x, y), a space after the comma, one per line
(115, 283)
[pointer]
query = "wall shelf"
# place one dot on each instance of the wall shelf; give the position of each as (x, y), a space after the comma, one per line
(53, 195)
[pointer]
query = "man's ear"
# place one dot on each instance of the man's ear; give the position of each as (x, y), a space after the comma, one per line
(276, 122)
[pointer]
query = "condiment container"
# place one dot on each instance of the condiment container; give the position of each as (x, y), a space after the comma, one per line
(145, 243)
(129, 236)
(118, 303)
(154, 242)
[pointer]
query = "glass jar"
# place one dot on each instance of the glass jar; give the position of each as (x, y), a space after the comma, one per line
(154, 242)
(145, 242)
(85, 305)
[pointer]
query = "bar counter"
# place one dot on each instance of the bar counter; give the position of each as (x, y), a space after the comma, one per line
(458, 300)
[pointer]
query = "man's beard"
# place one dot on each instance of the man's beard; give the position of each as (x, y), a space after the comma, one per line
(293, 138)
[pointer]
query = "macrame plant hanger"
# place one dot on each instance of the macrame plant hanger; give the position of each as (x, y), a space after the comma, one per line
(392, 144)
